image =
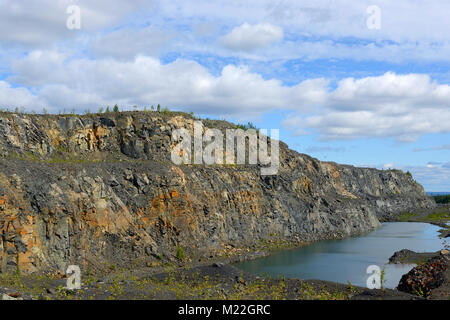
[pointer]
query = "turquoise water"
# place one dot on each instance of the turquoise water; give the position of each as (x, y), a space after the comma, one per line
(348, 259)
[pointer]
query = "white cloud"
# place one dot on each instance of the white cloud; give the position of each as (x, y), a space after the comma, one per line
(388, 166)
(432, 177)
(40, 23)
(13, 97)
(251, 37)
(402, 20)
(391, 105)
(130, 42)
(84, 83)
(411, 31)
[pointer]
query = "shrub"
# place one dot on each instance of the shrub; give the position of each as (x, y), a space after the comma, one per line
(247, 126)
(180, 253)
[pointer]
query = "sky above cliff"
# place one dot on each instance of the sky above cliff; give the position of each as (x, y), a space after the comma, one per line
(358, 82)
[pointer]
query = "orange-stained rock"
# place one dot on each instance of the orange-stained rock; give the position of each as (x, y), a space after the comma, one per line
(97, 190)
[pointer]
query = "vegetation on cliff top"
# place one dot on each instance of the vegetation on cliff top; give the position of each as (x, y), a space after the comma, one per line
(116, 110)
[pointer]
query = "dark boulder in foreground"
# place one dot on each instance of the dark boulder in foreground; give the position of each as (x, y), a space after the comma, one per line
(428, 279)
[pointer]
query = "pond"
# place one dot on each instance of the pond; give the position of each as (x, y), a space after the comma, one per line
(347, 260)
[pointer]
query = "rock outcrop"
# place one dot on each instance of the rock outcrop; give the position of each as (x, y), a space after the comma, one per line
(430, 279)
(406, 256)
(98, 190)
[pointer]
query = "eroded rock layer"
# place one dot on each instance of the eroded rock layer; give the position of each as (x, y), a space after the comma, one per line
(100, 189)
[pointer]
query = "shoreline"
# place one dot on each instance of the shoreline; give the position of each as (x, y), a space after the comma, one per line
(212, 278)
(215, 281)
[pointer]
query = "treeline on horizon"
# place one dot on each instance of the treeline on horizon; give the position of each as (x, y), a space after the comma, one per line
(443, 199)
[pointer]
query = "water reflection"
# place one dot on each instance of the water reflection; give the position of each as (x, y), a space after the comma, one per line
(348, 259)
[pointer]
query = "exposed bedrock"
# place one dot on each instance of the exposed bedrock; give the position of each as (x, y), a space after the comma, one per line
(101, 189)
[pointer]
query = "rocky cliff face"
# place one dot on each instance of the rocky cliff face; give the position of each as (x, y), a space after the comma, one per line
(101, 189)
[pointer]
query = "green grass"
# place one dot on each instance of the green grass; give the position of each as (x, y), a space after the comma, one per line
(406, 216)
(34, 285)
(441, 215)
(173, 286)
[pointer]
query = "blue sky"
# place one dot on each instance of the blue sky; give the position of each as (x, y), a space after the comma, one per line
(343, 80)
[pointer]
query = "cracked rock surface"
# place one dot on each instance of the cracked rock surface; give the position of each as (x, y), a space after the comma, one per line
(101, 190)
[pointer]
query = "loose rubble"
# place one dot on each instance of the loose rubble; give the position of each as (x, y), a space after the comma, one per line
(427, 277)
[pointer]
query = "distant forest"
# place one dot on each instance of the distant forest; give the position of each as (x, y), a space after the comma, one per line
(442, 198)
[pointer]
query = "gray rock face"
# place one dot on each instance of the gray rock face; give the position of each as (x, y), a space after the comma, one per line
(101, 190)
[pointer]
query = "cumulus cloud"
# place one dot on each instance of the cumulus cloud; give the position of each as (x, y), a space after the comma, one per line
(39, 23)
(251, 37)
(316, 30)
(185, 84)
(401, 19)
(16, 97)
(128, 43)
(410, 30)
(391, 105)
